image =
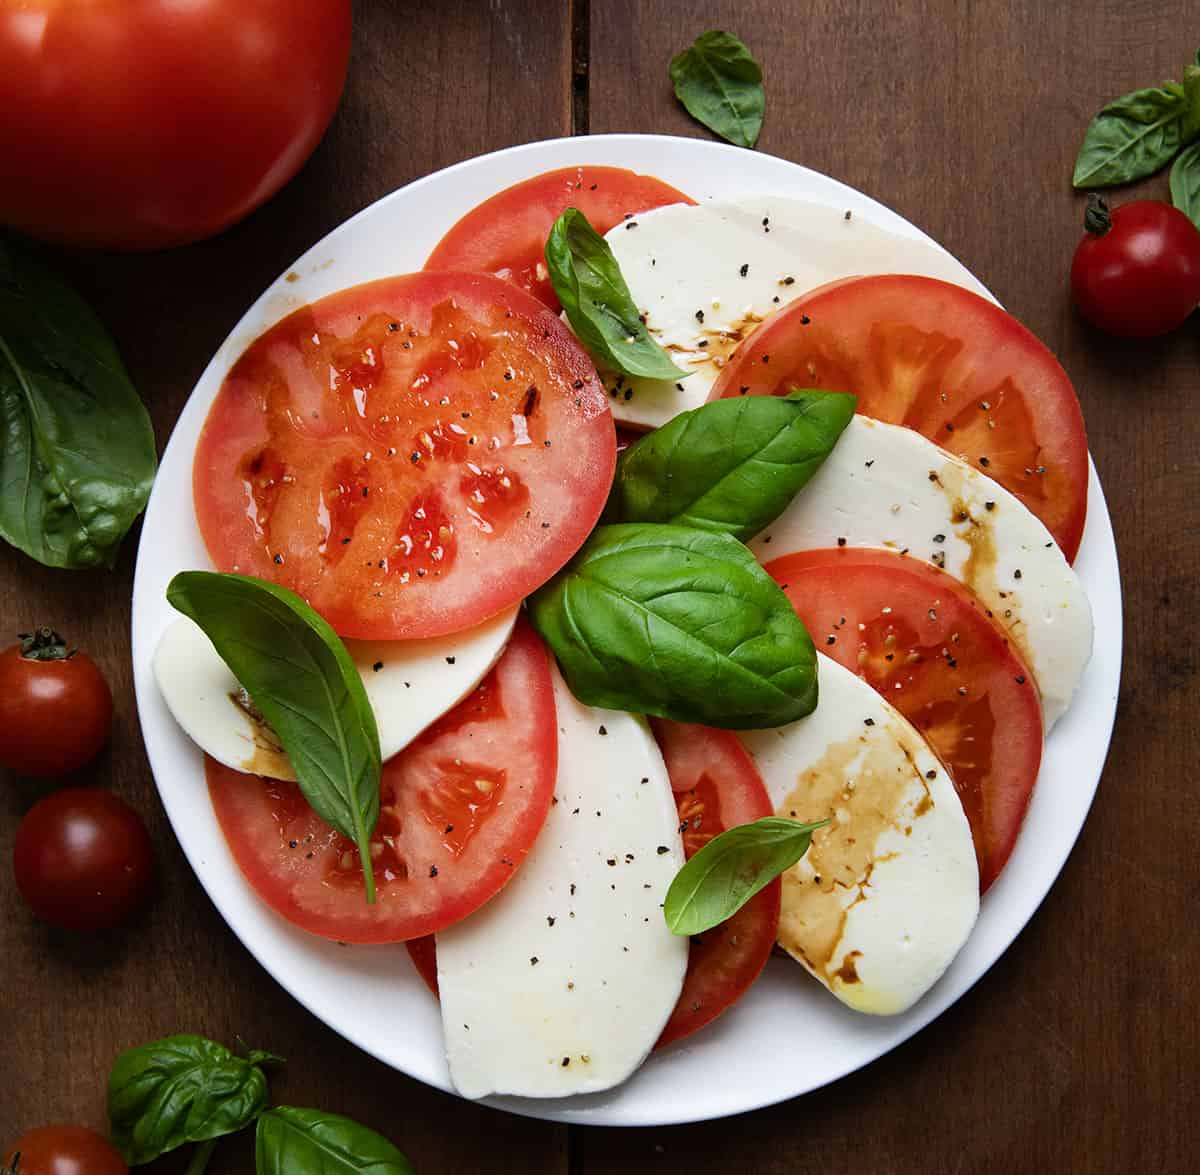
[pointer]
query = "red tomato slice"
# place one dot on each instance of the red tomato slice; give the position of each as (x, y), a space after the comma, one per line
(411, 456)
(460, 808)
(928, 646)
(506, 234)
(942, 361)
(717, 787)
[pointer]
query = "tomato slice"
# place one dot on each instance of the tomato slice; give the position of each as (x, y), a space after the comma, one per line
(506, 234)
(717, 787)
(411, 456)
(944, 362)
(929, 647)
(461, 807)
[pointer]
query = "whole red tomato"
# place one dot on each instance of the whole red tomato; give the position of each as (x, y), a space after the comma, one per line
(55, 706)
(146, 123)
(1136, 273)
(65, 1150)
(82, 859)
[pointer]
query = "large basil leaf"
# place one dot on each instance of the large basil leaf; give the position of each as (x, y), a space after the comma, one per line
(1185, 183)
(179, 1090)
(679, 623)
(1133, 136)
(76, 446)
(730, 465)
(599, 306)
(292, 1141)
(299, 675)
(728, 871)
(720, 85)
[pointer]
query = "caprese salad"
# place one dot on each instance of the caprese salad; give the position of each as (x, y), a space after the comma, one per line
(587, 654)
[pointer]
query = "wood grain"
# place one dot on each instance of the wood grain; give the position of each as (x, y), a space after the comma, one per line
(1077, 1051)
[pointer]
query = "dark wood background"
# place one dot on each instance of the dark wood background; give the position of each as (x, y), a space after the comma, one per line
(1078, 1051)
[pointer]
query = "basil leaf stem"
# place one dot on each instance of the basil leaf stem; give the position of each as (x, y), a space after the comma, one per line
(599, 306)
(291, 1141)
(731, 465)
(720, 84)
(299, 675)
(728, 871)
(77, 454)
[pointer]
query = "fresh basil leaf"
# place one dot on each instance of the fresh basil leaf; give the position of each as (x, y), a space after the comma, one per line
(179, 1090)
(720, 84)
(680, 623)
(77, 452)
(1133, 136)
(728, 871)
(599, 306)
(730, 465)
(1191, 92)
(291, 1141)
(1185, 183)
(299, 675)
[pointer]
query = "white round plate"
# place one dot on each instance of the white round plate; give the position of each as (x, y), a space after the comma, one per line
(371, 995)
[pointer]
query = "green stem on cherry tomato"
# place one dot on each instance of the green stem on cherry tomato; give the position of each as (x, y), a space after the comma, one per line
(1097, 220)
(44, 644)
(200, 1157)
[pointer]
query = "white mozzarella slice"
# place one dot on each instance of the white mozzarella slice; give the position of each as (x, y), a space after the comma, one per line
(705, 275)
(889, 891)
(409, 684)
(887, 486)
(562, 983)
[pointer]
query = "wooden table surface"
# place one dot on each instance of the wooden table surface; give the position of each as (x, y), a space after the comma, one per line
(1078, 1051)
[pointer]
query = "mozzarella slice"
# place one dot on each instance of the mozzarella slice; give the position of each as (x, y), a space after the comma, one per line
(889, 891)
(705, 275)
(887, 486)
(562, 983)
(409, 684)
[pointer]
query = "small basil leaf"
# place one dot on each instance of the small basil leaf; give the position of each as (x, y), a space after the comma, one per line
(1185, 183)
(720, 84)
(679, 623)
(178, 1090)
(599, 306)
(77, 452)
(299, 675)
(1133, 136)
(730, 465)
(291, 1141)
(1191, 91)
(728, 871)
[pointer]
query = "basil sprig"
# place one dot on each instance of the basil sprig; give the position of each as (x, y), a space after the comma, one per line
(730, 465)
(77, 452)
(678, 623)
(720, 84)
(1185, 183)
(728, 871)
(291, 1141)
(299, 675)
(599, 306)
(183, 1089)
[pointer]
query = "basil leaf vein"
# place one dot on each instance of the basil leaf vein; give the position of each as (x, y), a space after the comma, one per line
(680, 623)
(731, 465)
(599, 306)
(178, 1090)
(293, 1141)
(728, 871)
(1134, 136)
(299, 675)
(720, 85)
(77, 455)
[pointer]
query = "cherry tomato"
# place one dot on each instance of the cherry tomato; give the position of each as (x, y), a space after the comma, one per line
(82, 859)
(1136, 273)
(65, 1150)
(55, 706)
(172, 120)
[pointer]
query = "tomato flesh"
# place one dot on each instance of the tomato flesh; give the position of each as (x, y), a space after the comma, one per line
(460, 808)
(506, 234)
(928, 647)
(411, 456)
(944, 362)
